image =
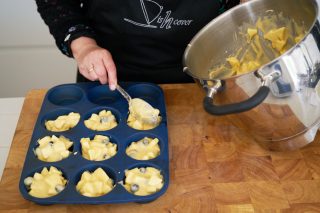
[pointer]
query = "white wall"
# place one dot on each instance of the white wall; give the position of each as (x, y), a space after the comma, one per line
(29, 58)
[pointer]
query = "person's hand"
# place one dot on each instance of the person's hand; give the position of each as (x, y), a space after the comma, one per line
(94, 62)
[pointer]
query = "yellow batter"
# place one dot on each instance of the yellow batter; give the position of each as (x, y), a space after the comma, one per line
(143, 181)
(63, 122)
(144, 149)
(94, 184)
(105, 120)
(239, 68)
(52, 149)
(251, 32)
(271, 36)
(98, 149)
(142, 115)
(45, 184)
(279, 38)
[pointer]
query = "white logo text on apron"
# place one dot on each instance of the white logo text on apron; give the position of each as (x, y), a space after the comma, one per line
(162, 21)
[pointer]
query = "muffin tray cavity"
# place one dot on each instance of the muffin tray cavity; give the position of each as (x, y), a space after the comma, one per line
(85, 99)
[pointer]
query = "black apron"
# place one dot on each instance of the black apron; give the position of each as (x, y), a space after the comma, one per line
(147, 38)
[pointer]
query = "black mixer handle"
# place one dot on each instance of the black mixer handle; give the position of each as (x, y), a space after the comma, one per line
(246, 105)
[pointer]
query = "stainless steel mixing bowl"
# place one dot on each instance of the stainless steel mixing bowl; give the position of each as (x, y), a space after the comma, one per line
(277, 104)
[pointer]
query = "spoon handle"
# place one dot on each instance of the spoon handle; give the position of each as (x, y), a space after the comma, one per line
(124, 93)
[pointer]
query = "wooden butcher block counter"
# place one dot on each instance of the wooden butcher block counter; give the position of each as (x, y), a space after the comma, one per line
(214, 167)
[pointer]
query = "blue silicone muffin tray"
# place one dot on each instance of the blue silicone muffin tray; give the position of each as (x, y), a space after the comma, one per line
(88, 98)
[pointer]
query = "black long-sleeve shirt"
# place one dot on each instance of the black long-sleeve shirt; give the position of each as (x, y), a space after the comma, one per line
(65, 17)
(145, 37)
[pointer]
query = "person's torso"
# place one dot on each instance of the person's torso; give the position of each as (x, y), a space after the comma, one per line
(150, 35)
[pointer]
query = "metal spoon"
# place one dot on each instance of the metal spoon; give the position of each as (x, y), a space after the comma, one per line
(124, 93)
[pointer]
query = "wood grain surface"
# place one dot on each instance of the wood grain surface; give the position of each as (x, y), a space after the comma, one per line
(214, 167)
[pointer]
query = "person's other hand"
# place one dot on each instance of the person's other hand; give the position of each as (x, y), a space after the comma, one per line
(94, 62)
